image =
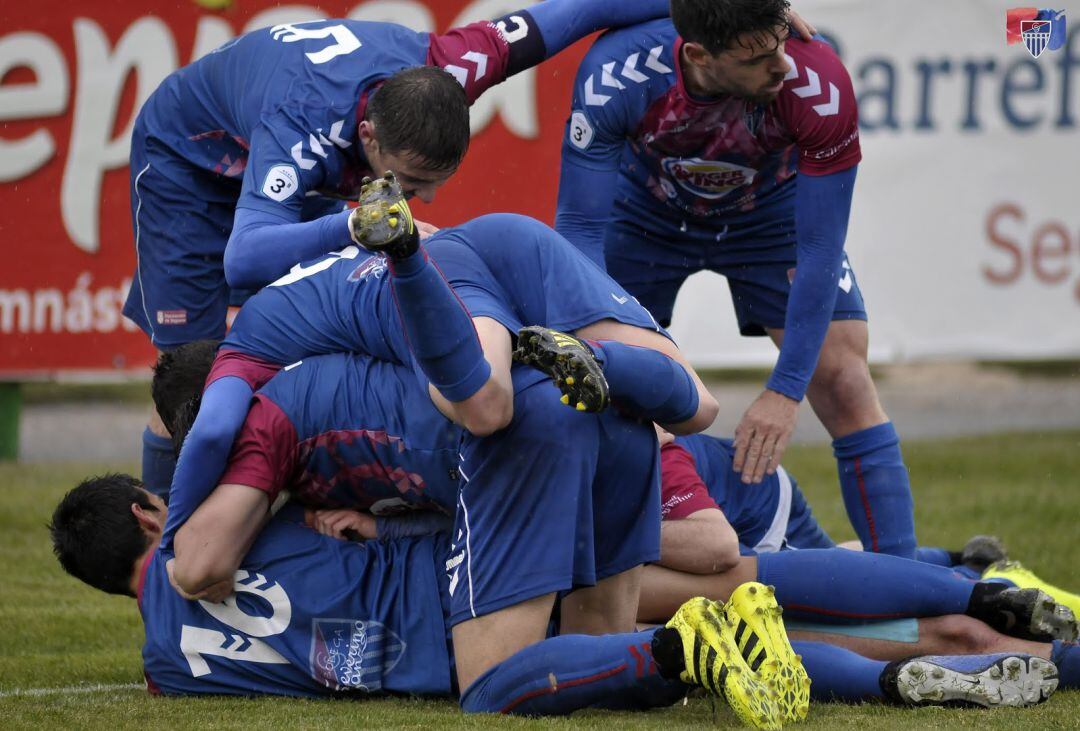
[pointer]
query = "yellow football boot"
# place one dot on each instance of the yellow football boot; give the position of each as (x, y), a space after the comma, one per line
(382, 220)
(700, 645)
(759, 633)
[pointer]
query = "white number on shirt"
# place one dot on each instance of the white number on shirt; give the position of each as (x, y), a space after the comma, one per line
(195, 642)
(345, 41)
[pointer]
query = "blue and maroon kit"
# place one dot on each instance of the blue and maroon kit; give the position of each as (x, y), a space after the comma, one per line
(343, 302)
(311, 616)
(262, 133)
(696, 474)
(658, 184)
(345, 431)
(518, 486)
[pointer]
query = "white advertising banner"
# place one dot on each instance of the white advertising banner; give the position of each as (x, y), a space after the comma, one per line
(965, 228)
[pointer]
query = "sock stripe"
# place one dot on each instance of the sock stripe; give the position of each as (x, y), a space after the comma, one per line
(639, 661)
(553, 689)
(861, 480)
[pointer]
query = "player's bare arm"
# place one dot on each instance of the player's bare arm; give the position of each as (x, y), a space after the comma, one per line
(701, 543)
(212, 543)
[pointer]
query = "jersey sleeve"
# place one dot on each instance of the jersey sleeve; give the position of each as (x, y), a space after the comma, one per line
(264, 453)
(682, 491)
(276, 180)
(253, 371)
(820, 109)
(602, 116)
(477, 55)
(601, 119)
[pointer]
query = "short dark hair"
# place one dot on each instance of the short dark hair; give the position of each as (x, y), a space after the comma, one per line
(422, 112)
(717, 24)
(179, 377)
(95, 535)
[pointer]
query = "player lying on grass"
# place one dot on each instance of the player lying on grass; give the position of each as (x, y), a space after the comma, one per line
(329, 463)
(348, 430)
(315, 616)
(712, 519)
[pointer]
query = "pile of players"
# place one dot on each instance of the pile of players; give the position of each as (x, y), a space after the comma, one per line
(442, 462)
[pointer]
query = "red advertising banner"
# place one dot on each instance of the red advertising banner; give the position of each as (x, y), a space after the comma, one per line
(71, 80)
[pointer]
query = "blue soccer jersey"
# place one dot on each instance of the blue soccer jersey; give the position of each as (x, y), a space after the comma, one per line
(340, 303)
(278, 108)
(311, 616)
(705, 158)
(767, 516)
(348, 431)
(511, 268)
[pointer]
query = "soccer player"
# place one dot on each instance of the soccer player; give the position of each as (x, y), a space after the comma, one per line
(456, 331)
(713, 141)
(711, 517)
(358, 619)
(240, 162)
(317, 617)
(347, 430)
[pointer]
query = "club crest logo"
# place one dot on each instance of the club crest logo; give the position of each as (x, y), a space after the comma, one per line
(1036, 34)
(373, 266)
(352, 654)
(1038, 29)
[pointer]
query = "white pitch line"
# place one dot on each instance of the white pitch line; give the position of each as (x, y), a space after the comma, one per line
(98, 688)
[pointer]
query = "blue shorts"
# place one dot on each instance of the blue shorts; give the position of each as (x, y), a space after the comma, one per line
(792, 525)
(556, 500)
(518, 271)
(182, 217)
(651, 252)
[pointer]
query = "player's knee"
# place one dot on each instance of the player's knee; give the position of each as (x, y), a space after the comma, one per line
(846, 383)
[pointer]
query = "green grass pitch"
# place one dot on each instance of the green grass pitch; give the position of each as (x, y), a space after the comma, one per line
(69, 656)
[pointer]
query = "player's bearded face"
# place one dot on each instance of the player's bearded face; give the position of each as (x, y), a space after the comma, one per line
(753, 68)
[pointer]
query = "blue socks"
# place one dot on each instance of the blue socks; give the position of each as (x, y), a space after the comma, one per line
(440, 330)
(840, 586)
(646, 383)
(839, 674)
(571, 672)
(1066, 655)
(158, 463)
(936, 556)
(877, 494)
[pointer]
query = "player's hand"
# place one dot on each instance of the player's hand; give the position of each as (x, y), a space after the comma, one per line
(762, 435)
(215, 593)
(341, 524)
(425, 229)
(804, 29)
